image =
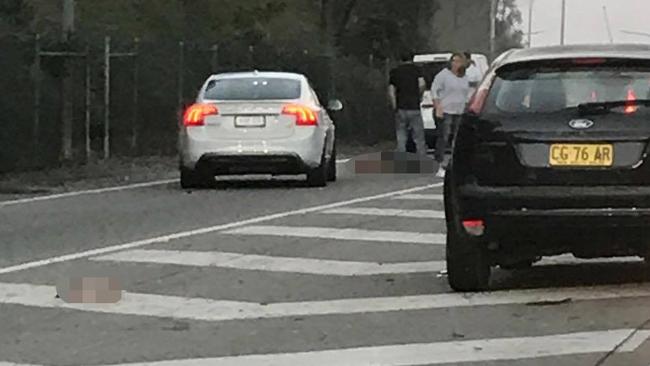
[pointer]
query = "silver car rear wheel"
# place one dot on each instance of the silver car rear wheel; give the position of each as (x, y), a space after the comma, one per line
(195, 179)
(317, 177)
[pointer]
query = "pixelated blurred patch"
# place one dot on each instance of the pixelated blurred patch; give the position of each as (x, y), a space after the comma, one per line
(90, 290)
(394, 164)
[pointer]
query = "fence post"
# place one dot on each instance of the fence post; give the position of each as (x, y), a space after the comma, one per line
(107, 96)
(215, 58)
(136, 96)
(37, 97)
(368, 123)
(88, 105)
(387, 68)
(181, 72)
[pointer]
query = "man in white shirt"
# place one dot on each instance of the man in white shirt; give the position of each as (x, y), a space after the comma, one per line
(449, 90)
(474, 74)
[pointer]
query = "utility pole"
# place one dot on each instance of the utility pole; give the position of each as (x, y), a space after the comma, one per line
(107, 98)
(530, 23)
(36, 129)
(67, 29)
(493, 27)
(608, 24)
(563, 25)
(68, 18)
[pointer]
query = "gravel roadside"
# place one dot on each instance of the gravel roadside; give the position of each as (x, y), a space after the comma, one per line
(119, 171)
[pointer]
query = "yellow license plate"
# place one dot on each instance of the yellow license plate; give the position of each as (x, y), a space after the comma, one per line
(590, 155)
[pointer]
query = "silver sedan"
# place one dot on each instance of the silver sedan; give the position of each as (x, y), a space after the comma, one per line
(257, 123)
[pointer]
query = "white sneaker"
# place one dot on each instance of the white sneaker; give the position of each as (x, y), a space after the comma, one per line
(441, 173)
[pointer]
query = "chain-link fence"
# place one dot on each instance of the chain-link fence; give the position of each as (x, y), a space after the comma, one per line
(134, 91)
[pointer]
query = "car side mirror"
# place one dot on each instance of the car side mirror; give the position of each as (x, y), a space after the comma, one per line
(335, 105)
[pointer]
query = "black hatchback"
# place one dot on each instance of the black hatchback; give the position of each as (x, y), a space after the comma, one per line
(551, 158)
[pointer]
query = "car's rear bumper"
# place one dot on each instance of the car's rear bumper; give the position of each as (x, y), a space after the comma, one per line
(553, 220)
(229, 164)
(550, 198)
(304, 150)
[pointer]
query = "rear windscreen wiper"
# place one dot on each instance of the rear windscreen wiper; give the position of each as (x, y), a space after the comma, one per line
(604, 107)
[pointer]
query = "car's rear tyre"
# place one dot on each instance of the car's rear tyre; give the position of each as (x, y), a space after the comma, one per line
(331, 169)
(468, 266)
(317, 177)
(519, 265)
(194, 179)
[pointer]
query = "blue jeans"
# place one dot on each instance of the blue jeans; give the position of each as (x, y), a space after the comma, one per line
(446, 131)
(410, 119)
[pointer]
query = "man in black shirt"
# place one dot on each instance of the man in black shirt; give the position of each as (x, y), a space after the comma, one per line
(405, 92)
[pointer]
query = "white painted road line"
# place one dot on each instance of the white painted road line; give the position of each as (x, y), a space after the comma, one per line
(420, 197)
(405, 237)
(480, 350)
(206, 230)
(218, 310)
(387, 212)
(87, 192)
(271, 264)
(572, 261)
(635, 341)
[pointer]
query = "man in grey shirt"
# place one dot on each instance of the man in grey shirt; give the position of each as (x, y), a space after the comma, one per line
(449, 90)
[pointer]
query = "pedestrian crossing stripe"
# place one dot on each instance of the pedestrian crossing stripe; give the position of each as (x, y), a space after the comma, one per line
(446, 352)
(312, 266)
(420, 197)
(481, 350)
(203, 309)
(387, 212)
(404, 237)
(269, 263)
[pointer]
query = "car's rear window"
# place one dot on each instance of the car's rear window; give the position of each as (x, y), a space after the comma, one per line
(253, 89)
(558, 86)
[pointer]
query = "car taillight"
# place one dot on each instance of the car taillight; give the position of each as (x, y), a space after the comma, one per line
(195, 114)
(474, 227)
(305, 116)
(477, 102)
(631, 107)
(589, 61)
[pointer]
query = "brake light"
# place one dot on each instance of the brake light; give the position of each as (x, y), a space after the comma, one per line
(631, 107)
(589, 61)
(478, 101)
(305, 116)
(474, 227)
(195, 114)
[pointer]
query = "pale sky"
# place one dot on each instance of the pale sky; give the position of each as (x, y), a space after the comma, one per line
(586, 21)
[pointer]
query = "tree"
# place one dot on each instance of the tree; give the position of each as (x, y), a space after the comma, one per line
(508, 18)
(462, 25)
(15, 17)
(379, 28)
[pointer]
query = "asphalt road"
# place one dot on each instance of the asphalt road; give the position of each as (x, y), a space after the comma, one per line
(259, 273)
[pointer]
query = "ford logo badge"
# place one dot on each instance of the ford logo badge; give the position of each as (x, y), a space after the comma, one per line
(581, 124)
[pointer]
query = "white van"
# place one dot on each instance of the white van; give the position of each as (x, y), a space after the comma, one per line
(431, 65)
